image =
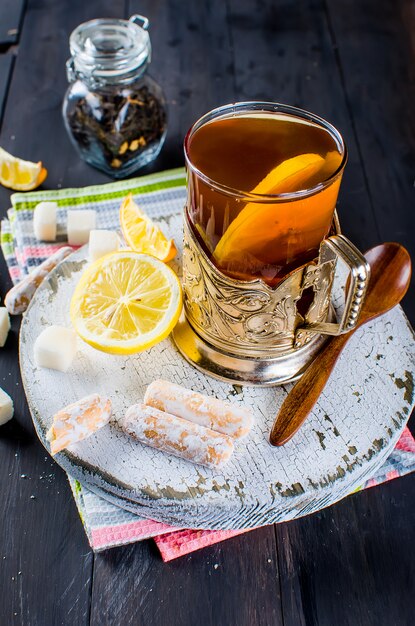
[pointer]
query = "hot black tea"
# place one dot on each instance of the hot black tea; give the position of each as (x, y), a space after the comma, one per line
(262, 191)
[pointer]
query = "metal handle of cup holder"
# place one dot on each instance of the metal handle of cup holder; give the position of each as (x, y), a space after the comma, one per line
(359, 274)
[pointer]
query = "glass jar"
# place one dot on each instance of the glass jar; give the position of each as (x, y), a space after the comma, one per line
(114, 112)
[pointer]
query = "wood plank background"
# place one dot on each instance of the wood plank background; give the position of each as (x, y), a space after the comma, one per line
(6, 64)
(351, 61)
(11, 16)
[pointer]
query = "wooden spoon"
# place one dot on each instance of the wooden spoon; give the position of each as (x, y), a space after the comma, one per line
(390, 274)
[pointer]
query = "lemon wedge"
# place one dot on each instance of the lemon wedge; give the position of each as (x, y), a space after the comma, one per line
(290, 175)
(18, 174)
(126, 302)
(257, 224)
(142, 234)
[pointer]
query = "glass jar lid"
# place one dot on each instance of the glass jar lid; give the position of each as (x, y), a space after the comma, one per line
(110, 50)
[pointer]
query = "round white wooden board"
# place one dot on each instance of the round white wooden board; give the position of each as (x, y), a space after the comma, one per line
(354, 426)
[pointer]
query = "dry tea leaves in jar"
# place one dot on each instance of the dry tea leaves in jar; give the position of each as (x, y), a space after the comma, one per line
(114, 112)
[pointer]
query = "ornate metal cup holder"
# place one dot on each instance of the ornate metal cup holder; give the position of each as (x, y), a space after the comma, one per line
(249, 333)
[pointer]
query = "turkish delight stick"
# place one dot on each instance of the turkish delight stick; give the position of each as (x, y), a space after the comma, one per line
(224, 417)
(78, 421)
(18, 298)
(177, 436)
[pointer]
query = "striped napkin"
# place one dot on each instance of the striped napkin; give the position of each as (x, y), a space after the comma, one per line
(106, 524)
(158, 194)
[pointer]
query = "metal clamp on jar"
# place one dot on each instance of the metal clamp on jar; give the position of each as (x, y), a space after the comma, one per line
(114, 112)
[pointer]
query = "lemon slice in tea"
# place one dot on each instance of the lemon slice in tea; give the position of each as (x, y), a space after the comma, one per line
(256, 221)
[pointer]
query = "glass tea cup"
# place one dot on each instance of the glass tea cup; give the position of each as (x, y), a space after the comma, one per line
(263, 181)
(262, 242)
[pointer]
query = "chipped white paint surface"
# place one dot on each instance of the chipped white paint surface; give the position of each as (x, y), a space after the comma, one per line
(354, 426)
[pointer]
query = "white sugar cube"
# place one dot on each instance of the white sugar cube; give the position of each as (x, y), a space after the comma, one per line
(102, 242)
(44, 221)
(79, 225)
(55, 348)
(6, 407)
(4, 325)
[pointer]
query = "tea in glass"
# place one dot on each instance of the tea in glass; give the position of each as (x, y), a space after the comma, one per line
(263, 181)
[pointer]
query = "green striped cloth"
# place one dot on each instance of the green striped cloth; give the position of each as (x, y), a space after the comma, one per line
(157, 194)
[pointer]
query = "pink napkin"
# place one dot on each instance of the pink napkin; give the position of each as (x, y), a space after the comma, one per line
(181, 542)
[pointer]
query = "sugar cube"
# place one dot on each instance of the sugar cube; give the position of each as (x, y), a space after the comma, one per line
(102, 242)
(55, 348)
(4, 325)
(6, 407)
(44, 221)
(79, 225)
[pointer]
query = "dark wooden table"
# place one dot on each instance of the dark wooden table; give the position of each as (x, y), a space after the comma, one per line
(351, 61)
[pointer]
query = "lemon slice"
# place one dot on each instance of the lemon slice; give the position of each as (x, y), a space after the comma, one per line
(142, 234)
(290, 175)
(18, 174)
(126, 302)
(256, 224)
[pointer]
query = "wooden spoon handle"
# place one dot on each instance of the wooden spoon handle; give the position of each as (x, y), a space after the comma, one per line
(303, 396)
